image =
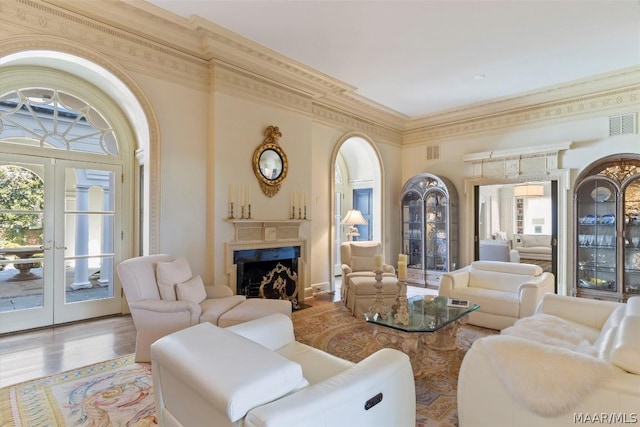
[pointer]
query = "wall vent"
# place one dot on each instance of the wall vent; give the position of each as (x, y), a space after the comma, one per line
(433, 152)
(623, 124)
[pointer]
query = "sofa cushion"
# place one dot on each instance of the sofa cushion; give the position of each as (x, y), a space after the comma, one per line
(362, 263)
(532, 240)
(491, 301)
(213, 308)
(169, 274)
(365, 249)
(246, 374)
(191, 290)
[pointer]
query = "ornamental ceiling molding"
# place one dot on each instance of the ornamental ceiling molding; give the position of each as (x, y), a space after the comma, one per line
(347, 122)
(132, 51)
(614, 101)
(232, 81)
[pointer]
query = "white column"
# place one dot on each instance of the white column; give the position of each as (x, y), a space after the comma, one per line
(81, 276)
(106, 266)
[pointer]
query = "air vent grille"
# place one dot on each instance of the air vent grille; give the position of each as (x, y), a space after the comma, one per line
(433, 152)
(623, 124)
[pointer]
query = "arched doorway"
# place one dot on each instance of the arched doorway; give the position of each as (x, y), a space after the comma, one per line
(79, 144)
(357, 172)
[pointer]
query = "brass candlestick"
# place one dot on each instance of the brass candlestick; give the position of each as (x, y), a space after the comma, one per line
(242, 212)
(293, 212)
(230, 211)
(305, 212)
(249, 212)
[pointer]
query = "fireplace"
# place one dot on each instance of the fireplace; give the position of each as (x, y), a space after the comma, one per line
(268, 273)
(267, 259)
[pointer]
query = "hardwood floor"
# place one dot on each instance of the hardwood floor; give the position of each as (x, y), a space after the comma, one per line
(33, 354)
(37, 353)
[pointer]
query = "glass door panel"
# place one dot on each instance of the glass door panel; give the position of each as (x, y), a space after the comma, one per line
(24, 261)
(596, 252)
(631, 236)
(87, 249)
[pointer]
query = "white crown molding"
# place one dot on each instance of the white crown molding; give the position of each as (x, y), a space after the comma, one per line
(614, 101)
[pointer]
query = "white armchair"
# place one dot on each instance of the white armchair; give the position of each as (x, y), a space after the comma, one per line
(505, 291)
(256, 375)
(357, 259)
(164, 296)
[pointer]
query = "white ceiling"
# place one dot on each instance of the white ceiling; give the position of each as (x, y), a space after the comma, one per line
(421, 57)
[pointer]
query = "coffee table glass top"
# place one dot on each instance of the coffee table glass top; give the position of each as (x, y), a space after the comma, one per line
(424, 316)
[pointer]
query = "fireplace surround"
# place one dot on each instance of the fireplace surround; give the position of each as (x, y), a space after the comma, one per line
(267, 259)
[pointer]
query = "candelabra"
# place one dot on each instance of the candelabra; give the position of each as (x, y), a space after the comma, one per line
(293, 212)
(378, 305)
(249, 211)
(230, 211)
(305, 212)
(299, 213)
(242, 212)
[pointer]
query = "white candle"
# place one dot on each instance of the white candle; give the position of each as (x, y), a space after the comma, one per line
(231, 193)
(248, 197)
(403, 258)
(378, 260)
(291, 200)
(402, 270)
(305, 198)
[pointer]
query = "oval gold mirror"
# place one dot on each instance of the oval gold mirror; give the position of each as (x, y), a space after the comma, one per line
(270, 163)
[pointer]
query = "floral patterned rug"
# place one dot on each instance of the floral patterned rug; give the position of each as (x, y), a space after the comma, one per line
(119, 392)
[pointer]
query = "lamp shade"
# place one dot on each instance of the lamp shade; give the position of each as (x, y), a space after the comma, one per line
(528, 190)
(354, 217)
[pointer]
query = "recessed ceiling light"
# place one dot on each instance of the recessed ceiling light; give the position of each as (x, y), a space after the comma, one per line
(480, 76)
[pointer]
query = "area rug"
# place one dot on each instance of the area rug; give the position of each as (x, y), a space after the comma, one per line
(115, 393)
(332, 328)
(119, 392)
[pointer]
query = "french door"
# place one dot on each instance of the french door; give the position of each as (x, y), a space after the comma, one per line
(59, 239)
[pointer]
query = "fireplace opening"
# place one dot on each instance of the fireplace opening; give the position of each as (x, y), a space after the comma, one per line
(268, 273)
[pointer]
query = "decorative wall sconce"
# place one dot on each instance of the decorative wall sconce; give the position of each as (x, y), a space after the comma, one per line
(270, 164)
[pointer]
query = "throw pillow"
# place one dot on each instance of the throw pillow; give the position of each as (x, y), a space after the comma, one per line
(362, 263)
(169, 274)
(192, 290)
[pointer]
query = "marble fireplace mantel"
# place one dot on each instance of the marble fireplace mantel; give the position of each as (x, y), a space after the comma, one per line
(265, 234)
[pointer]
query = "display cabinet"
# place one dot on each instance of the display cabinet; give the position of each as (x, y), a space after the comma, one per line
(607, 229)
(429, 228)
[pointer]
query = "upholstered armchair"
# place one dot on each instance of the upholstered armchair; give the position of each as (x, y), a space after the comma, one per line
(357, 259)
(505, 291)
(164, 297)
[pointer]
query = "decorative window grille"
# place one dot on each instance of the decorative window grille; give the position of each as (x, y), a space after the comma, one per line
(48, 118)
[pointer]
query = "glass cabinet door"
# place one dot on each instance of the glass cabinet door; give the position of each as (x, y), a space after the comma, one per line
(631, 237)
(412, 240)
(437, 251)
(597, 243)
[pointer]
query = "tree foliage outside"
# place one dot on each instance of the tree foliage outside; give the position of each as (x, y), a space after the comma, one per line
(22, 192)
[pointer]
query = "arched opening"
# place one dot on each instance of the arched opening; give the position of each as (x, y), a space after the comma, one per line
(357, 176)
(82, 129)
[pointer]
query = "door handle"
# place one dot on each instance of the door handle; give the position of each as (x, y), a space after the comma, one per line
(61, 247)
(46, 248)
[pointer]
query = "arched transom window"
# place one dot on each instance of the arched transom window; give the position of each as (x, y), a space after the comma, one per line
(53, 119)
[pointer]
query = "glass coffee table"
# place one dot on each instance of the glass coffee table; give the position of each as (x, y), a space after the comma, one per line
(438, 322)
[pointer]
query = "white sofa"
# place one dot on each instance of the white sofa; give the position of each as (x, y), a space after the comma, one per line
(256, 374)
(534, 246)
(576, 361)
(505, 291)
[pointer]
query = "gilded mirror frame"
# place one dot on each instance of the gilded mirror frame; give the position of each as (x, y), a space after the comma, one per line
(270, 164)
